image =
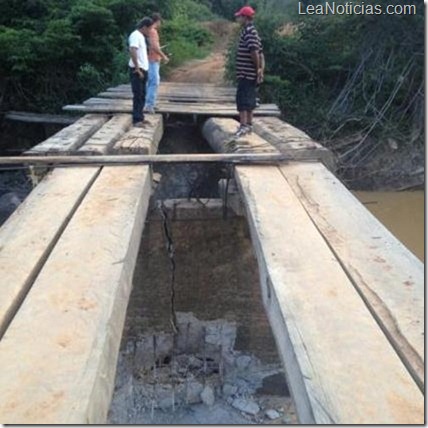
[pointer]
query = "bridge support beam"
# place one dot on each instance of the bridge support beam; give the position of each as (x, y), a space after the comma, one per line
(342, 363)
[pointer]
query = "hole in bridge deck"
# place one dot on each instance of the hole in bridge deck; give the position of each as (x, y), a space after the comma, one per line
(186, 180)
(222, 367)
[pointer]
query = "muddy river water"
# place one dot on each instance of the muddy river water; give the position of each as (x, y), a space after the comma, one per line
(402, 213)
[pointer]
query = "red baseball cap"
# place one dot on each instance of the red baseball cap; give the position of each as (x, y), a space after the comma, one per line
(246, 11)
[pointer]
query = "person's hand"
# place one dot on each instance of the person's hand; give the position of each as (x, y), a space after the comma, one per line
(166, 59)
(139, 71)
(260, 75)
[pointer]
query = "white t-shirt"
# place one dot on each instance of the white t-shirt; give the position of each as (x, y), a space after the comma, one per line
(137, 40)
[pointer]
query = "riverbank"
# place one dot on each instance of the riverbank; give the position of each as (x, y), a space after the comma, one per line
(391, 169)
(388, 170)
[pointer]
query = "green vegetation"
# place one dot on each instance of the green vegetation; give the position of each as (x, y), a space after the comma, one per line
(354, 82)
(55, 52)
(185, 40)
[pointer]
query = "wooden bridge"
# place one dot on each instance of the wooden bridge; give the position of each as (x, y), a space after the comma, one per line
(344, 297)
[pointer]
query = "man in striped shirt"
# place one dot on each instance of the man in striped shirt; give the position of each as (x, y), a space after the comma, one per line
(249, 69)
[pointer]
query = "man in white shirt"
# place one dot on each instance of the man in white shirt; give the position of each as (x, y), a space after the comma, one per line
(138, 69)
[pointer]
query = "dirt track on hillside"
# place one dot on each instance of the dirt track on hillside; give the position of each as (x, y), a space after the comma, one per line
(211, 68)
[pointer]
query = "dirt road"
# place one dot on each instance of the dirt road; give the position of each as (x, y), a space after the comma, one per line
(211, 68)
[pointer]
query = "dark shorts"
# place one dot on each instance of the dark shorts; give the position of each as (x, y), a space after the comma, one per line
(246, 95)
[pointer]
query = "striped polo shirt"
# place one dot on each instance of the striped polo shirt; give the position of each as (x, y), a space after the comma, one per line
(249, 41)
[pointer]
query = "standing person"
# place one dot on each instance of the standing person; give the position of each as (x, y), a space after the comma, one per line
(155, 57)
(138, 69)
(249, 69)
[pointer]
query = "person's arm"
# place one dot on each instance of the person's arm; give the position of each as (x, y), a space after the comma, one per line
(256, 53)
(133, 49)
(262, 67)
(155, 47)
(255, 56)
(258, 60)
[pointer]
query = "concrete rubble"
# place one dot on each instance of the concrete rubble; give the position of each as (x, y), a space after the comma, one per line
(196, 372)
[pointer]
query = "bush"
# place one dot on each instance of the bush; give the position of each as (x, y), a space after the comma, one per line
(128, 13)
(341, 77)
(193, 11)
(185, 40)
(55, 52)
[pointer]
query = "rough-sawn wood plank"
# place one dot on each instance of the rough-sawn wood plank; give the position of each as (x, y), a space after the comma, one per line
(72, 137)
(141, 140)
(340, 366)
(29, 235)
(61, 348)
(101, 142)
(388, 276)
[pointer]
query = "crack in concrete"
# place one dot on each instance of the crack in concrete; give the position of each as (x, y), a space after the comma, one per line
(171, 255)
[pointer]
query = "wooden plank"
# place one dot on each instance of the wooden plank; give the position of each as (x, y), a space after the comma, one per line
(205, 84)
(101, 142)
(340, 367)
(197, 89)
(199, 94)
(175, 108)
(208, 84)
(179, 85)
(288, 139)
(58, 161)
(387, 275)
(173, 97)
(141, 140)
(177, 93)
(219, 132)
(23, 116)
(28, 236)
(164, 95)
(70, 138)
(164, 104)
(177, 96)
(184, 89)
(68, 331)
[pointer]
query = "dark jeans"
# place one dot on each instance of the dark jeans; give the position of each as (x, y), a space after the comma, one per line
(246, 94)
(138, 86)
